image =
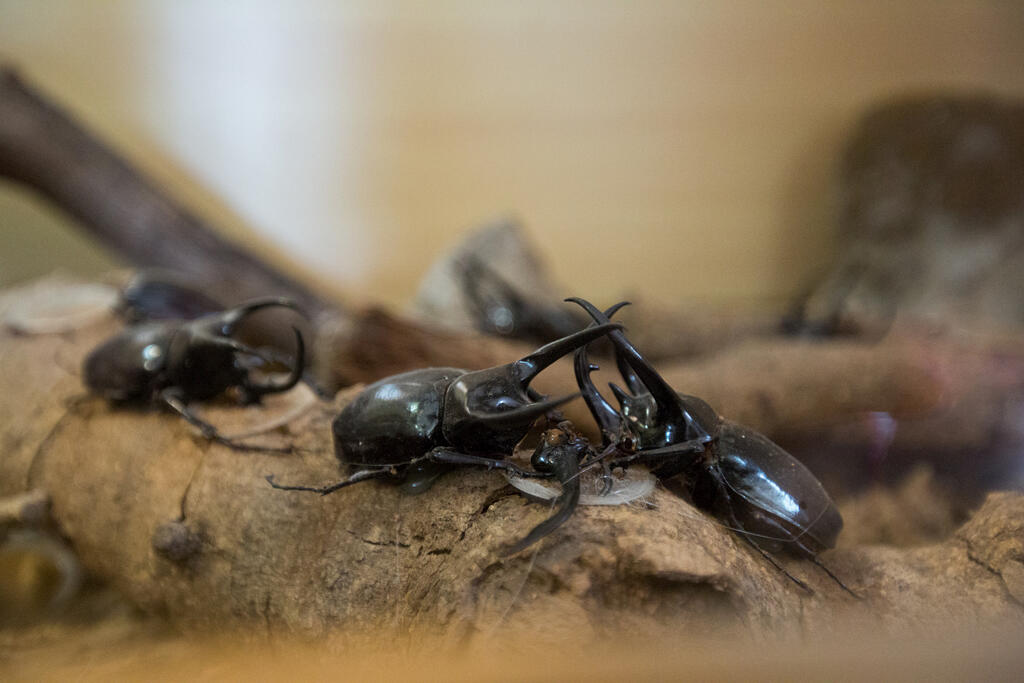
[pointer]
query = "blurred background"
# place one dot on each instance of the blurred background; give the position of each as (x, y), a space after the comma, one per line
(687, 150)
(715, 154)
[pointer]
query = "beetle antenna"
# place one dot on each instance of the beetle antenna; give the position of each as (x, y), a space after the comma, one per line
(815, 560)
(361, 475)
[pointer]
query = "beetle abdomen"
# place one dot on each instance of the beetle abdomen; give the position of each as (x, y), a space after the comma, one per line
(779, 499)
(394, 419)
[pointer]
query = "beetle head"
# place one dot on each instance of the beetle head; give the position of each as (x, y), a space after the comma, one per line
(650, 410)
(203, 357)
(490, 411)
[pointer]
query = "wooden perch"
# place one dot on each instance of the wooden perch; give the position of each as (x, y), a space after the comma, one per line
(190, 529)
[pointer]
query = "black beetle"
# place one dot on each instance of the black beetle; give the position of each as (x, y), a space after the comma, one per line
(412, 426)
(738, 474)
(177, 361)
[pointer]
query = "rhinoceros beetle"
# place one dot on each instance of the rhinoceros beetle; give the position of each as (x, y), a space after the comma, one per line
(762, 492)
(174, 362)
(412, 426)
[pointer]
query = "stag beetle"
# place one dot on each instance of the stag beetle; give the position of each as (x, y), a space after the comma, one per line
(176, 361)
(732, 471)
(412, 426)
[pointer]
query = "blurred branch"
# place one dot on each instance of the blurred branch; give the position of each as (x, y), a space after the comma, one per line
(44, 148)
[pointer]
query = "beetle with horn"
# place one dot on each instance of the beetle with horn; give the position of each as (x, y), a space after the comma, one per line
(413, 426)
(750, 483)
(173, 362)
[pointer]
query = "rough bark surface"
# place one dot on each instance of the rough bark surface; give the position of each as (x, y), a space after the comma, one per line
(190, 529)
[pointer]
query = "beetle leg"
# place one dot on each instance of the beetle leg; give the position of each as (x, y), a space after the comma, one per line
(566, 467)
(175, 402)
(420, 476)
(607, 480)
(355, 478)
(771, 559)
(814, 558)
(693, 446)
(453, 457)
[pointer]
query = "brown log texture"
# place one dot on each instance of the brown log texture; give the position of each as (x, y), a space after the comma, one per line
(190, 529)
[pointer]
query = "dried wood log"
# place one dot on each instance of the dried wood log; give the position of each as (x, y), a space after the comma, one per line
(190, 529)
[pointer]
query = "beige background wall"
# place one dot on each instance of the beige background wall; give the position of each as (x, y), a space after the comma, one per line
(683, 149)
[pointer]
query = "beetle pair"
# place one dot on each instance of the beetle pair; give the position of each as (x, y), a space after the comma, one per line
(399, 425)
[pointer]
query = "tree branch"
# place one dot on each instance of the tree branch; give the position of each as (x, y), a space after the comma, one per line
(44, 148)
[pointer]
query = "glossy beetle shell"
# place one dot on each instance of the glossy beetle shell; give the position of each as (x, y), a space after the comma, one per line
(784, 506)
(393, 420)
(129, 365)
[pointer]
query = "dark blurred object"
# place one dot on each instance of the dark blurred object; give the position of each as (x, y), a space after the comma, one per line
(492, 281)
(931, 221)
(157, 294)
(39, 573)
(500, 309)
